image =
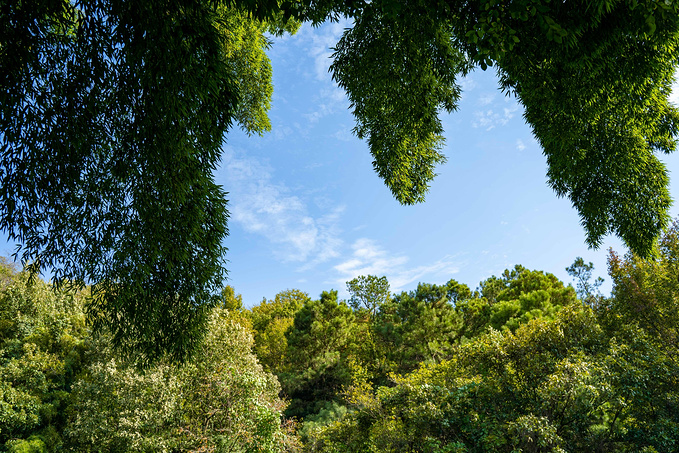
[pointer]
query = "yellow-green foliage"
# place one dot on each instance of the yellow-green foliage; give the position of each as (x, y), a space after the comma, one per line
(31, 445)
(271, 321)
(62, 389)
(551, 386)
(222, 399)
(42, 338)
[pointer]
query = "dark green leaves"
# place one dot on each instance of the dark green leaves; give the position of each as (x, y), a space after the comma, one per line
(594, 81)
(112, 117)
(399, 71)
(600, 111)
(593, 78)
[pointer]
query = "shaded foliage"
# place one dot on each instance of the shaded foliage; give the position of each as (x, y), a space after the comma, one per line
(112, 119)
(320, 345)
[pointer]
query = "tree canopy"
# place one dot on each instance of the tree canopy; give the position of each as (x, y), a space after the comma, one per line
(64, 389)
(593, 77)
(519, 364)
(113, 113)
(112, 119)
(581, 379)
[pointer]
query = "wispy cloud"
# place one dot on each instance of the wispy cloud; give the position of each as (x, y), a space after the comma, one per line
(486, 99)
(467, 83)
(520, 145)
(318, 42)
(262, 206)
(489, 119)
(328, 101)
(368, 258)
(344, 134)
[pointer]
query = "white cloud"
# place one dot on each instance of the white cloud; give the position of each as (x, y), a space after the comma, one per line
(344, 134)
(261, 206)
(370, 259)
(467, 83)
(489, 119)
(486, 99)
(520, 145)
(282, 132)
(328, 101)
(317, 43)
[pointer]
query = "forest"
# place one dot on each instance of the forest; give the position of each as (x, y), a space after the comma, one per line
(522, 363)
(113, 117)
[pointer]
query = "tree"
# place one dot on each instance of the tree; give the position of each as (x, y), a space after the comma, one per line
(271, 321)
(551, 386)
(614, 60)
(220, 401)
(64, 389)
(646, 292)
(419, 326)
(513, 299)
(111, 123)
(368, 292)
(43, 341)
(587, 290)
(318, 357)
(113, 112)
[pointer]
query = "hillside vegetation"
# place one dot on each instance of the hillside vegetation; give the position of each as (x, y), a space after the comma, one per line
(521, 363)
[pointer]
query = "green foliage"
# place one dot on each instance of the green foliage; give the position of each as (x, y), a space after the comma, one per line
(545, 373)
(314, 424)
(319, 349)
(576, 379)
(230, 300)
(399, 73)
(514, 298)
(639, 315)
(646, 293)
(112, 116)
(368, 292)
(594, 79)
(228, 398)
(271, 320)
(587, 291)
(63, 389)
(600, 140)
(330, 348)
(419, 326)
(33, 444)
(221, 400)
(556, 386)
(107, 153)
(41, 345)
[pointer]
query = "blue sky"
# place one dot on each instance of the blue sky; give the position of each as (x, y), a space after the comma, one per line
(308, 211)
